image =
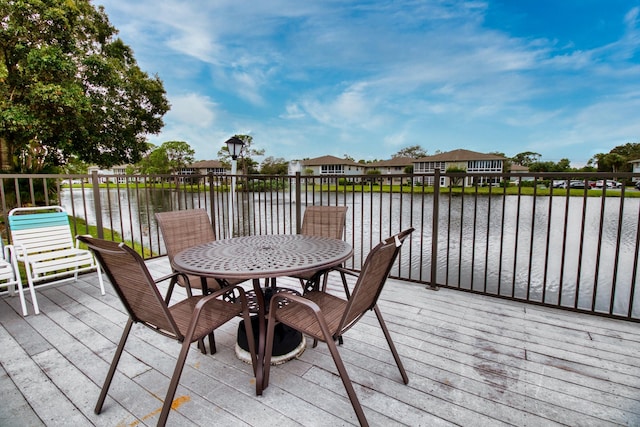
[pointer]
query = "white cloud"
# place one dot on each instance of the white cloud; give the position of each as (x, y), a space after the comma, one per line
(293, 111)
(346, 110)
(192, 110)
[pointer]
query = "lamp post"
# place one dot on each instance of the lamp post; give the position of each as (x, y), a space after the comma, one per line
(235, 146)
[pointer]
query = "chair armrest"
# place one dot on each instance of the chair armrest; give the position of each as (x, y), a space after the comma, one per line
(10, 257)
(78, 241)
(175, 275)
(171, 276)
(7, 251)
(221, 292)
(292, 298)
(308, 305)
(345, 271)
(18, 250)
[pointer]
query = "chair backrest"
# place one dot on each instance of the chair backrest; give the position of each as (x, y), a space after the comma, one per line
(372, 278)
(133, 284)
(324, 221)
(184, 229)
(40, 229)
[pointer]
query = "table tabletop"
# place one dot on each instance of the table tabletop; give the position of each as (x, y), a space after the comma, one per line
(262, 256)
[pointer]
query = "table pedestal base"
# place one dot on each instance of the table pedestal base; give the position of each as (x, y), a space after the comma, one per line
(287, 343)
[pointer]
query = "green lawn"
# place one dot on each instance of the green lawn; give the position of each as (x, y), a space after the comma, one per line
(511, 190)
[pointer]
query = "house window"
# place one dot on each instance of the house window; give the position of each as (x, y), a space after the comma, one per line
(485, 166)
(429, 167)
(332, 169)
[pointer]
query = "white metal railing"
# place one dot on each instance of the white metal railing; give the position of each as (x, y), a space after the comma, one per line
(572, 248)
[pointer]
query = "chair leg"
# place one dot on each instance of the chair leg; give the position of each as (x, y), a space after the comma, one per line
(100, 279)
(212, 343)
(346, 381)
(271, 324)
(405, 378)
(173, 385)
(23, 301)
(32, 291)
(114, 365)
(344, 284)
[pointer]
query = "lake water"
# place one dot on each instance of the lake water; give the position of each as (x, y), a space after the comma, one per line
(566, 251)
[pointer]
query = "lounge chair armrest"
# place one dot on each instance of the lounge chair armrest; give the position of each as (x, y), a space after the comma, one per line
(8, 251)
(18, 250)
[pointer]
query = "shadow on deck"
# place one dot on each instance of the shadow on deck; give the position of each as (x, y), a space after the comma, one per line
(471, 360)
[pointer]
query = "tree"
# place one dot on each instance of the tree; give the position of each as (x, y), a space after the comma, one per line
(372, 175)
(271, 166)
(526, 158)
(179, 153)
(156, 162)
(75, 166)
(564, 165)
(169, 157)
(414, 151)
(456, 180)
(246, 163)
(630, 150)
(617, 160)
(611, 162)
(69, 87)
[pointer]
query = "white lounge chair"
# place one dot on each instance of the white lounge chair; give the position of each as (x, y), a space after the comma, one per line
(41, 239)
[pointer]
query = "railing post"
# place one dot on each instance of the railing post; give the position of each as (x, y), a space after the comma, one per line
(176, 184)
(298, 205)
(95, 185)
(211, 204)
(434, 231)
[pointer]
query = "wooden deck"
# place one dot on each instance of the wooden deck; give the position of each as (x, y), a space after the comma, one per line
(471, 360)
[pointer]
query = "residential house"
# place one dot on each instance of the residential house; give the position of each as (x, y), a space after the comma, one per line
(516, 171)
(205, 167)
(394, 166)
(469, 161)
(118, 174)
(329, 165)
(635, 168)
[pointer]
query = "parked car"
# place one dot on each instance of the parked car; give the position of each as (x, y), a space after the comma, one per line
(576, 184)
(608, 183)
(637, 185)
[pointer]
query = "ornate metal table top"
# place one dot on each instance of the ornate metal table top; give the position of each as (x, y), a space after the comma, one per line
(255, 257)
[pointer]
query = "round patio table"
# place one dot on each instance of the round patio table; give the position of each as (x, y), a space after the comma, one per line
(262, 257)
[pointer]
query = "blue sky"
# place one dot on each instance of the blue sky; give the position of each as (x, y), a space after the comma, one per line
(368, 78)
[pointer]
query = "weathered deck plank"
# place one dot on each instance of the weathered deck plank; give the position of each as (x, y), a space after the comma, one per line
(471, 360)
